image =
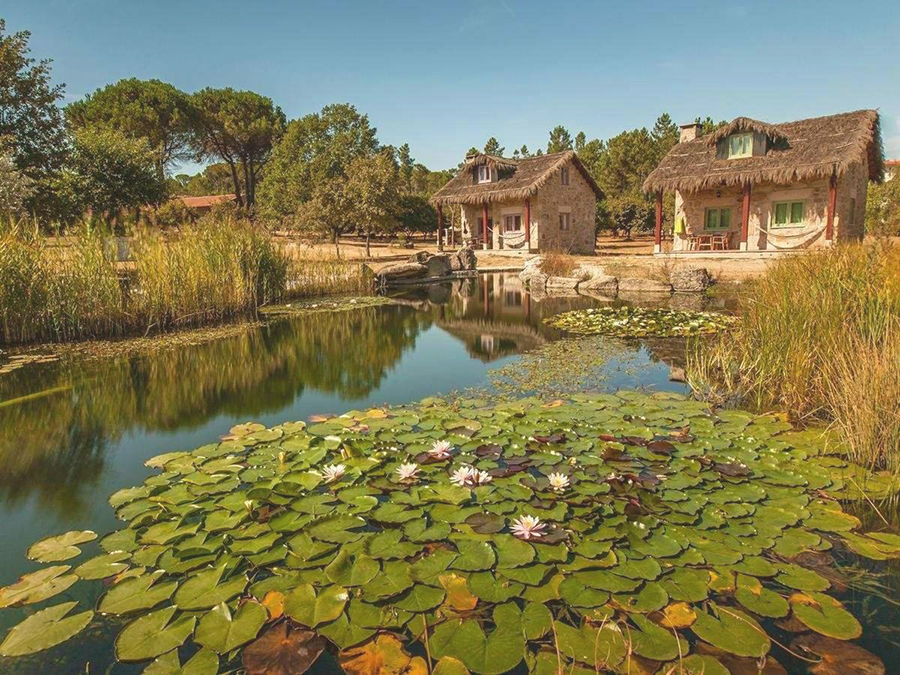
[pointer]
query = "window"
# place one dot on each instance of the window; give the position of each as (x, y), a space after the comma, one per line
(718, 219)
(788, 214)
(512, 223)
(512, 298)
(564, 175)
(484, 173)
(564, 221)
(740, 145)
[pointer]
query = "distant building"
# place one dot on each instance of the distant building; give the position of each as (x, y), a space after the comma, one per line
(206, 202)
(753, 186)
(891, 168)
(544, 203)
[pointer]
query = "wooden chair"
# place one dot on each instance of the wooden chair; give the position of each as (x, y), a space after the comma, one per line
(704, 243)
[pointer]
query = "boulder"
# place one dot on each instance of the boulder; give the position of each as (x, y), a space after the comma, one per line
(419, 257)
(532, 269)
(565, 283)
(409, 270)
(604, 284)
(687, 302)
(438, 265)
(690, 280)
(640, 285)
(467, 259)
(456, 264)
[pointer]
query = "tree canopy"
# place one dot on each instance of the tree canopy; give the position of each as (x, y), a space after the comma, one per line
(239, 128)
(148, 109)
(315, 150)
(560, 140)
(108, 172)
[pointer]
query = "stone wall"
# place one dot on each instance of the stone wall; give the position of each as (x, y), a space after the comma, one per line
(577, 198)
(762, 236)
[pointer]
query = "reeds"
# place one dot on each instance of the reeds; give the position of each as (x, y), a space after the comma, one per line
(819, 337)
(71, 288)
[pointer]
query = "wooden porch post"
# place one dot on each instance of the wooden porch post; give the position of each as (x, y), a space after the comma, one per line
(528, 224)
(657, 241)
(832, 202)
(484, 217)
(440, 237)
(745, 218)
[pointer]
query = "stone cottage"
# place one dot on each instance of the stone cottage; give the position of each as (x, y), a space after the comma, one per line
(544, 203)
(753, 186)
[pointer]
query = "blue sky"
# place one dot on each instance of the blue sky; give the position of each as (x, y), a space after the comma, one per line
(444, 76)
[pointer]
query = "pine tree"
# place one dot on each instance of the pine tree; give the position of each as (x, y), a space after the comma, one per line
(560, 140)
(492, 147)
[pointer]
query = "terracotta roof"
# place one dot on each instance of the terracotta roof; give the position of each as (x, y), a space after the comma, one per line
(205, 201)
(803, 150)
(516, 179)
(892, 162)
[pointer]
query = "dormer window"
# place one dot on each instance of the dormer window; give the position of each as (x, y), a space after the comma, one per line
(484, 173)
(740, 145)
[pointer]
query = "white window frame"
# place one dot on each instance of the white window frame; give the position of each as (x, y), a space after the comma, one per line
(746, 140)
(565, 221)
(484, 173)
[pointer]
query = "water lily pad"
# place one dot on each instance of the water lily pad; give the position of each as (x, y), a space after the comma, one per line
(346, 570)
(654, 642)
(758, 599)
(825, 615)
(458, 595)
(420, 598)
(283, 650)
(499, 652)
(37, 586)
(473, 555)
(838, 657)
(153, 634)
(136, 593)
(207, 589)
(102, 566)
(221, 632)
(61, 547)
(733, 631)
(383, 655)
(311, 608)
(204, 662)
(44, 629)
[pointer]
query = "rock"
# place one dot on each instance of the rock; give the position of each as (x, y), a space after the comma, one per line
(688, 302)
(567, 283)
(600, 284)
(438, 265)
(532, 270)
(402, 271)
(637, 285)
(467, 259)
(420, 257)
(589, 271)
(677, 374)
(690, 280)
(456, 264)
(535, 281)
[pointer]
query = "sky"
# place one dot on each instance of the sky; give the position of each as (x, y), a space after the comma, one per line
(445, 76)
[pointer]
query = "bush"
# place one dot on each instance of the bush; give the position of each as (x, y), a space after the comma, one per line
(558, 264)
(818, 336)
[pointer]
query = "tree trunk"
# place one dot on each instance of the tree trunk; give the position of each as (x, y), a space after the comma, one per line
(335, 236)
(237, 183)
(368, 250)
(248, 188)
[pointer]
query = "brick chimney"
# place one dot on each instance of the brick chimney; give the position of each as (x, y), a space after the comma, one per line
(689, 132)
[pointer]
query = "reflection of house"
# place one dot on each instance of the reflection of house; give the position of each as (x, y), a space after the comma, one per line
(755, 186)
(206, 202)
(537, 203)
(488, 340)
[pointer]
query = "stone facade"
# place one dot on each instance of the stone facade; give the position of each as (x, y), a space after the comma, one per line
(762, 235)
(552, 199)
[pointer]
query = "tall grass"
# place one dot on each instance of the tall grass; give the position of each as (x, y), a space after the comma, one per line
(819, 337)
(72, 288)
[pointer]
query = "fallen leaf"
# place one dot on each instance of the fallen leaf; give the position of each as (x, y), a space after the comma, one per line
(274, 603)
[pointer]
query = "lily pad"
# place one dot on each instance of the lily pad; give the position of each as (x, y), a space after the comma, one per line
(153, 634)
(311, 608)
(61, 547)
(221, 632)
(44, 629)
(733, 631)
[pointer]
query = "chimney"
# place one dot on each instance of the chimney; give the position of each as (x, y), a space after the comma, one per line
(689, 132)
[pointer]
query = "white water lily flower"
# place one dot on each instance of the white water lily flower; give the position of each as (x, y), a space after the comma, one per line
(528, 527)
(333, 472)
(481, 477)
(440, 450)
(407, 472)
(463, 476)
(248, 504)
(558, 481)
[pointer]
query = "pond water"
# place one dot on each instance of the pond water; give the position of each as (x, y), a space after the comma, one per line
(74, 431)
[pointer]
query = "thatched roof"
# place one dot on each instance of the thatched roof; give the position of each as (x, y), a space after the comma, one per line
(742, 124)
(517, 179)
(803, 150)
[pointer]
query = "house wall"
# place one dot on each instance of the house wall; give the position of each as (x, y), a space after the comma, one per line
(762, 236)
(577, 198)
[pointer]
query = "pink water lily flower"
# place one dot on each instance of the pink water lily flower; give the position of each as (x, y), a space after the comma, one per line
(463, 475)
(407, 472)
(440, 450)
(528, 527)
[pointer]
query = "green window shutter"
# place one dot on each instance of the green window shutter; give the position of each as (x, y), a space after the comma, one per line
(725, 219)
(797, 212)
(781, 214)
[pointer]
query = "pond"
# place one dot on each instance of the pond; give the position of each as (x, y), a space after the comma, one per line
(74, 431)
